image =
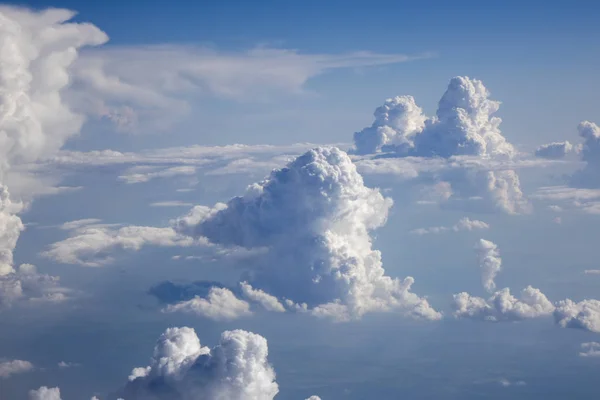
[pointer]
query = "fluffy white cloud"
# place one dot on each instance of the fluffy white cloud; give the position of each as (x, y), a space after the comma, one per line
(590, 349)
(489, 262)
(268, 302)
(314, 216)
(220, 304)
(396, 123)
(45, 393)
(582, 315)
(92, 245)
(464, 224)
(502, 306)
(464, 125)
(8, 368)
(589, 176)
(236, 369)
(555, 150)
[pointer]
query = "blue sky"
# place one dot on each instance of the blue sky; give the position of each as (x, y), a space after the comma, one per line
(411, 247)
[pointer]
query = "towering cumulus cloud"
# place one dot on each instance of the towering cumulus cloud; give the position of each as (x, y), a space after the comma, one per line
(37, 49)
(490, 262)
(315, 218)
(590, 153)
(465, 125)
(181, 369)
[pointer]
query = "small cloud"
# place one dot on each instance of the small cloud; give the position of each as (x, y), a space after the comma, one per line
(8, 368)
(590, 349)
(64, 364)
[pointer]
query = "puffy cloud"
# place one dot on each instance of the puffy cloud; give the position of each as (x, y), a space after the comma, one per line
(502, 306)
(91, 245)
(45, 393)
(589, 176)
(236, 369)
(10, 230)
(555, 150)
(26, 284)
(464, 125)
(583, 315)
(464, 224)
(268, 302)
(396, 123)
(314, 216)
(8, 368)
(590, 349)
(489, 262)
(220, 304)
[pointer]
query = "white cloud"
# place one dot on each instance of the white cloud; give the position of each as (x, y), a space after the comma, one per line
(589, 176)
(140, 177)
(464, 224)
(64, 364)
(268, 302)
(92, 245)
(314, 215)
(489, 262)
(506, 382)
(592, 272)
(586, 200)
(220, 304)
(12, 367)
(129, 85)
(314, 398)
(172, 203)
(79, 223)
(236, 369)
(502, 306)
(45, 393)
(583, 315)
(590, 349)
(464, 125)
(555, 150)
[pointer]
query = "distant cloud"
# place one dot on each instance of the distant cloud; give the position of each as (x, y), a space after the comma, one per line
(135, 176)
(555, 150)
(489, 262)
(148, 88)
(583, 315)
(502, 306)
(64, 365)
(592, 272)
(173, 203)
(586, 200)
(45, 393)
(12, 367)
(26, 285)
(465, 224)
(220, 304)
(590, 349)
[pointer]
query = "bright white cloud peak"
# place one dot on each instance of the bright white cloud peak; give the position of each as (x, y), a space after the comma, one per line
(45, 393)
(220, 304)
(314, 216)
(490, 263)
(589, 176)
(464, 125)
(236, 369)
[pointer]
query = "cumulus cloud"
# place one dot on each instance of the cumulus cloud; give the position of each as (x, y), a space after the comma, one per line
(464, 125)
(464, 224)
(583, 315)
(12, 367)
(502, 306)
(268, 302)
(93, 245)
(314, 216)
(489, 262)
(589, 176)
(220, 304)
(237, 369)
(45, 393)
(590, 349)
(555, 150)
(25, 284)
